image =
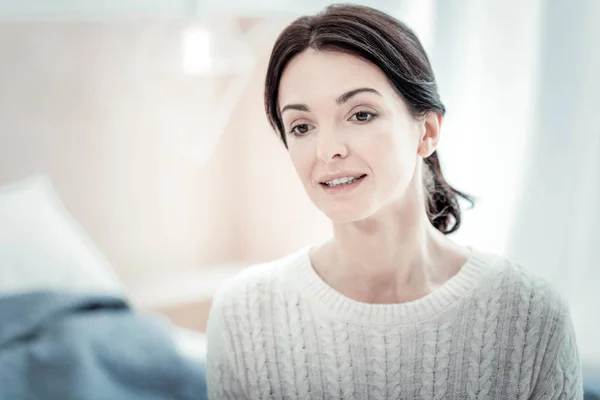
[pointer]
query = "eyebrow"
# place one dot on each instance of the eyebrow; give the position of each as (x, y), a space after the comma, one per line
(348, 95)
(340, 100)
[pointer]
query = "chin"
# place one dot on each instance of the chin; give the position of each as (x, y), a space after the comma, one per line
(344, 214)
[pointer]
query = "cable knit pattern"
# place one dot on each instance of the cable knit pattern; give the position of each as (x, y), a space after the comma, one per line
(255, 309)
(376, 364)
(410, 375)
(331, 365)
(285, 346)
(394, 367)
(297, 343)
(573, 378)
(440, 381)
(490, 342)
(435, 361)
(342, 341)
(278, 331)
(480, 370)
(476, 350)
(520, 331)
(532, 338)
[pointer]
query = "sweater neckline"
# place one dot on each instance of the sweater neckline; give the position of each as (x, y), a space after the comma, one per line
(313, 287)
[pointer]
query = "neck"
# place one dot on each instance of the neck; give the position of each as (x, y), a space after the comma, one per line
(394, 255)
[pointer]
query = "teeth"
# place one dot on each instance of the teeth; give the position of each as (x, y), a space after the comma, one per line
(340, 181)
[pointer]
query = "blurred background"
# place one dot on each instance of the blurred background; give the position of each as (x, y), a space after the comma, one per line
(146, 118)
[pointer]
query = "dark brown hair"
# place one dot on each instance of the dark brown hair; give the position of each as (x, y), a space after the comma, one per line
(394, 48)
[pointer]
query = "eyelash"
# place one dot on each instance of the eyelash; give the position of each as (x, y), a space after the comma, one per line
(372, 116)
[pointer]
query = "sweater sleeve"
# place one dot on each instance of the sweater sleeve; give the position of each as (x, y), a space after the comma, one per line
(560, 373)
(221, 372)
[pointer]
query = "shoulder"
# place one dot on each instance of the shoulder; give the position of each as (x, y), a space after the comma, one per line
(525, 292)
(256, 284)
(530, 284)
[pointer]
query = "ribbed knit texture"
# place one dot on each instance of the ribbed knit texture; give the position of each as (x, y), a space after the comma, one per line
(493, 331)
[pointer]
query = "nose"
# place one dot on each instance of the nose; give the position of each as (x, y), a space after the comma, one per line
(330, 146)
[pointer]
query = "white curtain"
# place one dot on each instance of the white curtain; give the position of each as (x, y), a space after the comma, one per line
(521, 84)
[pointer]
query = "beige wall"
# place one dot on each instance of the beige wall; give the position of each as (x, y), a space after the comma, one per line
(99, 107)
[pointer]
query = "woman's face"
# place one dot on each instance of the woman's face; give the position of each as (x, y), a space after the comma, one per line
(351, 138)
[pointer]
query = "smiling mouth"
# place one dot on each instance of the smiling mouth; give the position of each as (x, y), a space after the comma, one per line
(342, 181)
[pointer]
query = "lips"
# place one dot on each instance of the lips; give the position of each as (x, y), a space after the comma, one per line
(342, 180)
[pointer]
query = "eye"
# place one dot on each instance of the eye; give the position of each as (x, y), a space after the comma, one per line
(363, 116)
(301, 129)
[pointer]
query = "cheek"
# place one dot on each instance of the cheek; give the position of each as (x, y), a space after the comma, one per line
(393, 154)
(302, 158)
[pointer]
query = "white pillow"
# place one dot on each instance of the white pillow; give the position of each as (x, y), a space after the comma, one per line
(43, 247)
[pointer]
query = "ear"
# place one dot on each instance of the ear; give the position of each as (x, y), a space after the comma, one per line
(429, 138)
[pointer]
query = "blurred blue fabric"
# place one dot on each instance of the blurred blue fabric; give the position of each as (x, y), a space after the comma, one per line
(63, 346)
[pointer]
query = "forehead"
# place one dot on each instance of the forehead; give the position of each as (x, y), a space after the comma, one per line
(325, 74)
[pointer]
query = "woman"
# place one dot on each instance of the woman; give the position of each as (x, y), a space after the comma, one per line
(390, 307)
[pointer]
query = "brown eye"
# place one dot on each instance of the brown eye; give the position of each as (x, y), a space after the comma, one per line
(301, 129)
(363, 116)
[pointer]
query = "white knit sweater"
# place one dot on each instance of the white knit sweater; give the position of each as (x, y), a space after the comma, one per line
(493, 331)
